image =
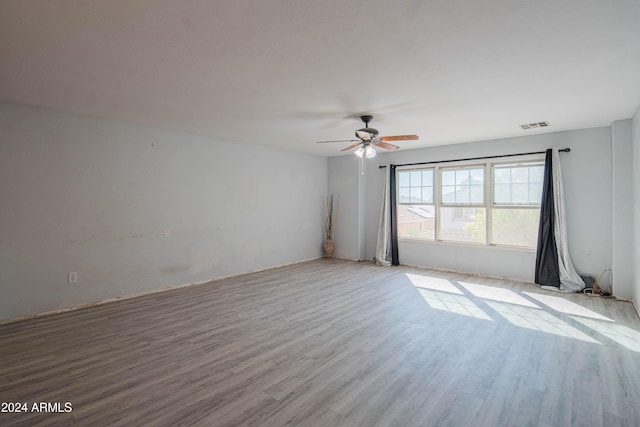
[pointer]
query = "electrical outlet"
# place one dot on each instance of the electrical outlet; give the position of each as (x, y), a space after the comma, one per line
(73, 277)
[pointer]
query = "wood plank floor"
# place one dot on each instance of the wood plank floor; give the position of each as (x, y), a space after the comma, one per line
(332, 343)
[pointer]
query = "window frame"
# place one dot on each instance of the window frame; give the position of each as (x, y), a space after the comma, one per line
(525, 160)
(493, 166)
(488, 204)
(442, 170)
(421, 186)
(445, 205)
(435, 183)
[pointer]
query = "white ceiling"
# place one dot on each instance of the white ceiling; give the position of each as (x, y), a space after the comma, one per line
(287, 73)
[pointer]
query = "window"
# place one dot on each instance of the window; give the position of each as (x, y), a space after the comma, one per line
(516, 203)
(416, 211)
(462, 186)
(489, 203)
(461, 204)
(518, 184)
(416, 187)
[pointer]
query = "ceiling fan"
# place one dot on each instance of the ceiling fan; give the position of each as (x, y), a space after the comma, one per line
(368, 139)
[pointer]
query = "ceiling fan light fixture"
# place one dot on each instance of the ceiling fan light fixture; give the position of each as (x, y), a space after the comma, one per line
(359, 152)
(370, 152)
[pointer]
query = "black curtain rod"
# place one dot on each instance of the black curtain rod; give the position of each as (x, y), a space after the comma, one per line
(564, 150)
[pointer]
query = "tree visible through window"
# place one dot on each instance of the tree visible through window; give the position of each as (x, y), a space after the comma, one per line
(516, 203)
(461, 201)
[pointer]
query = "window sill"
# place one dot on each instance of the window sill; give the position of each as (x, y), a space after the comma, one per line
(469, 245)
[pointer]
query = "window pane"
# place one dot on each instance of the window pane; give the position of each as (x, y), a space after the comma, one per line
(520, 174)
(427, 178)
(416, 179)
(518, 184)
(448, 193)
(416, 222)
(502, 175)
(463, 224)
(427, 194)
(477, 176)
(462, 177)
(448, 178)
(476, 194)
(502, 194)
(468, 188)
(516, 227)
(462, 194)
(404, 195)
(520, 194)
(416, 195)
(403, 179)
(536, 173)
(535, 193)
(415, 186)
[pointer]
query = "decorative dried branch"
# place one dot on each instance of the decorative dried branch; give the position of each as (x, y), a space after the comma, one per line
(330, 213)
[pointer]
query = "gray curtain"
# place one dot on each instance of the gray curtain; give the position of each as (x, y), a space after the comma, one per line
(383, 246)
(547, 270)
(387, 244)
(567, 279)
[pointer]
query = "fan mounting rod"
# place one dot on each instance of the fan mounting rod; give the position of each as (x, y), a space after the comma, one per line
(366, 133)
(366, 119)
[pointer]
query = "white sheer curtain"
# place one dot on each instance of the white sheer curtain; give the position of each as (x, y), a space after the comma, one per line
(383, 246)
(570, 280)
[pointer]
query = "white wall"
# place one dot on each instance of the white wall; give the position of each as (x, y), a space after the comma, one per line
(347, 184)
(587, 178)
(635, 137)
(133, 208)
(622, 209)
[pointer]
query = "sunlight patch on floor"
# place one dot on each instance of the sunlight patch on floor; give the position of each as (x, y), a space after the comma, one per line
(497, 294)
(621, 334)
(516, 307)
(453, 303)
(565, 306)
(433, 283)
(538, 320)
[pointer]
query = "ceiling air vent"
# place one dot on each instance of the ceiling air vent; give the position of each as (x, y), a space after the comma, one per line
(535, 125)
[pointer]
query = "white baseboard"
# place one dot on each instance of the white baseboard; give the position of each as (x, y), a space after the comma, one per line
(487, 276)
(140, 294)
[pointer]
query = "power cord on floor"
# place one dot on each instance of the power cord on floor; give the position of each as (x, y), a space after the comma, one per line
(596, 290)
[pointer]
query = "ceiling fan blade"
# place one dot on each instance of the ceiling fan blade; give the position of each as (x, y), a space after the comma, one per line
(351, 146)
(386, 146)
(399, 138)
(338, 140)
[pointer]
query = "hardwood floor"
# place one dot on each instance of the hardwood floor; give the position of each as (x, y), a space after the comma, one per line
(331, 343)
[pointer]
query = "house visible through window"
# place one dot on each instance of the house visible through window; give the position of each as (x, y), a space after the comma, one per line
(489, 203)
(416, 214)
